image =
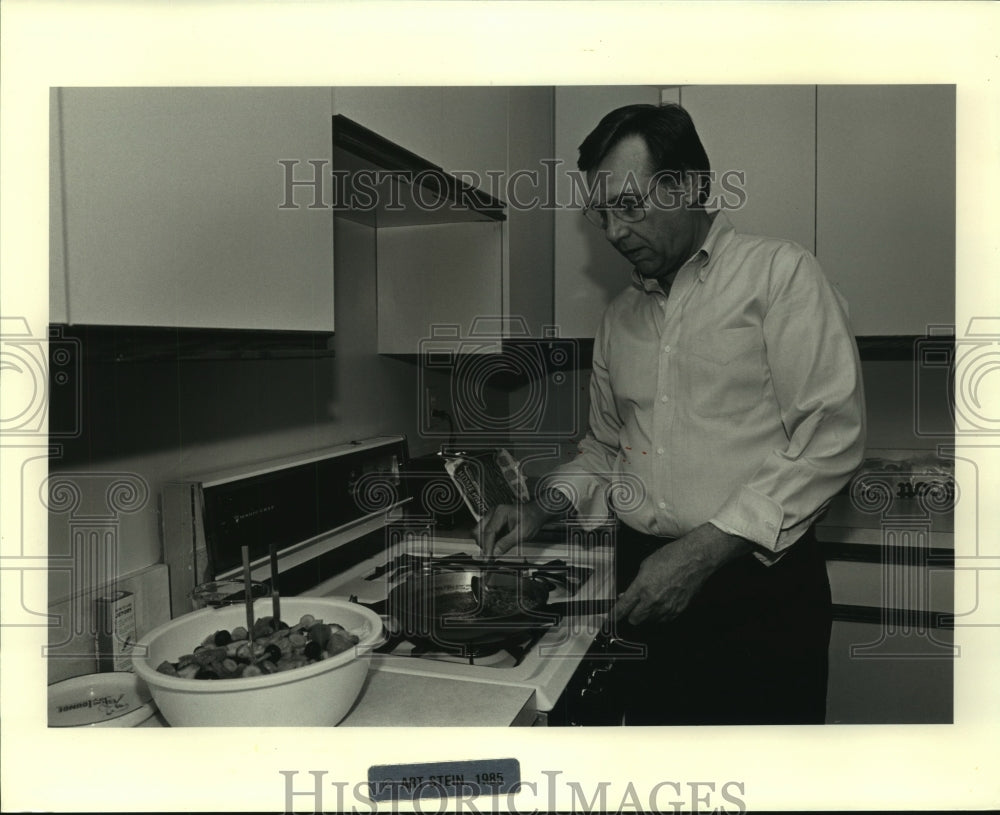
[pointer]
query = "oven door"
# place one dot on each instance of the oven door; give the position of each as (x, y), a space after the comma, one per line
(596, 693)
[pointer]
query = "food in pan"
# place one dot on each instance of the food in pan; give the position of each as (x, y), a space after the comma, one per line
(498, 601)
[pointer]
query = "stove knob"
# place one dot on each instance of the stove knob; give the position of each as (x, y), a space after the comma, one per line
(591, 688)
(595, 683)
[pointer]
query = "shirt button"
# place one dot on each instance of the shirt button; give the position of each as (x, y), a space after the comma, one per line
(664, 398)
(666, 349)
(662, 505)
(659, 451)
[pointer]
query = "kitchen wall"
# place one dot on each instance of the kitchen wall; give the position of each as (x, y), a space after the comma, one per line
(164, 420)
(907, 405)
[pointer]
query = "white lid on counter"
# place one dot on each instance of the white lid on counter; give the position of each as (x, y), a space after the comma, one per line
(112, 699)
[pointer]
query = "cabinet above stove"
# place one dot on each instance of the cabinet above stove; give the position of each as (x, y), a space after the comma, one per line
(382, 184)
(455, 228)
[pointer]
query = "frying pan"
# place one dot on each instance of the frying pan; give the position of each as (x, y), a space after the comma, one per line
(443, 607)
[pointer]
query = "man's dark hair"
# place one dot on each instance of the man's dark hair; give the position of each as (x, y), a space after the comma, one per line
(669, 134)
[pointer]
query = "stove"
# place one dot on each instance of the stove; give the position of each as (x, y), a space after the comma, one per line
(344, 524)
(505, 648)
(541, 658)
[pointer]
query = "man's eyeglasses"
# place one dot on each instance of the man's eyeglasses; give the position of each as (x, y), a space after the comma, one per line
(627, 209)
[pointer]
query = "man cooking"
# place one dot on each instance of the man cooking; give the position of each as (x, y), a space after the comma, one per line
(726, 410)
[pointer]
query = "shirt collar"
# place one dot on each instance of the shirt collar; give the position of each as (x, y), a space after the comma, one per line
(719, 233)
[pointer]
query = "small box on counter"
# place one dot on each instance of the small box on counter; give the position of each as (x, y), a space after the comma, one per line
(924, 476)
(115, 618)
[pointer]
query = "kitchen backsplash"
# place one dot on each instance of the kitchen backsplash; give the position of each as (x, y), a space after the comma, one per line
(71, 635)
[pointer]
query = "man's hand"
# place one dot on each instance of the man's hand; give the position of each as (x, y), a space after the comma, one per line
(669, 578)
(507, 525)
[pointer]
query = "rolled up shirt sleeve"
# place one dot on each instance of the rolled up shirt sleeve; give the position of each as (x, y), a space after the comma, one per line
(815, 374)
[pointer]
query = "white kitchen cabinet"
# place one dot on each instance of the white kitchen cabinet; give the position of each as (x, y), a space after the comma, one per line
(434, 281)
(170, 209)
(863, 176)
(57, 258)
(885, 206)
(403, 115)
(440, 272)
(472, 134)
(777, 163)
(458, 128)
(845, 171)
(892, 581)
(767, 133)
(588, 271)
(906, 677)
(530, 225)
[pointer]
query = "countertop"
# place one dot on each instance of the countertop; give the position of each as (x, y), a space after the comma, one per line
(404, 700)
(898, 556)
(847, 522)
(401, 700)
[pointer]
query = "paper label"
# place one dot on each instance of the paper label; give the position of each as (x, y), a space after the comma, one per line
(444, 779)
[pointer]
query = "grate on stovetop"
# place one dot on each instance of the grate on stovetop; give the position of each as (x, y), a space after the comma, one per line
(506, 652)
(557, 573)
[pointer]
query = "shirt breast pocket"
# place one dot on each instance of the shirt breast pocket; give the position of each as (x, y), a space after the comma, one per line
(725, 374)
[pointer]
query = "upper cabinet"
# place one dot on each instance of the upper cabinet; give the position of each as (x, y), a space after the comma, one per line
(167, 208)
(463, 130)
(589, 273)
(435, 282)
(885, 205)
(531, 222)
(465, 272)
(379, 183)
(419, 164)
(863, 176)
(213, 207)
(765, 183)
(761, 144)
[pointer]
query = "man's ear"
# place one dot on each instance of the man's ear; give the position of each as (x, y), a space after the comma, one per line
(690, 184)
(696, 188)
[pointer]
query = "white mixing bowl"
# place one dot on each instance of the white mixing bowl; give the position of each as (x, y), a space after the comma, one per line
(319, 694)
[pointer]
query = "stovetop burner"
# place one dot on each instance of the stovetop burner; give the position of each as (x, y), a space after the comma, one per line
(509, 647)
(505, 652)
(557, 573)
